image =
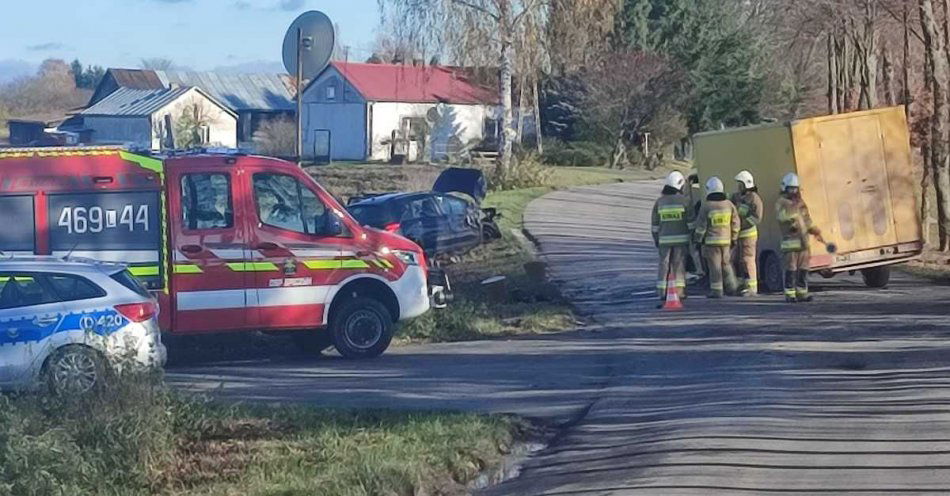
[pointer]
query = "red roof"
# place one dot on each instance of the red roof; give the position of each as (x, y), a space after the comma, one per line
(414, 84)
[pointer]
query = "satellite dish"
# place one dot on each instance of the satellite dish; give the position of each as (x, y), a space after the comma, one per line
(432, 115)
(316, 42)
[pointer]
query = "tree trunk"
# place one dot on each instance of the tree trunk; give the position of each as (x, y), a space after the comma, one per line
(619, 155)
(887, 73)
(519, 116)
(940, 77)
(507, 68)
(906, 84)
(832, 75)
(537, 115)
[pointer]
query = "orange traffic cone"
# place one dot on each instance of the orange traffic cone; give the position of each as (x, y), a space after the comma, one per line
(673, 302)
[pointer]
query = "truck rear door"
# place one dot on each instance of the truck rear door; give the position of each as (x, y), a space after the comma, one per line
(854, 168)
(209, 249)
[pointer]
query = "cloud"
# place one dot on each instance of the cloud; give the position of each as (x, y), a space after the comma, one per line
(241, 5)
(172, 1)
(46, 47)
(292, 4)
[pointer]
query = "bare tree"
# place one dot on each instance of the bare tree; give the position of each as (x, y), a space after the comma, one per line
(157, 64)
(276, 137)
(473, 32)
(624, 95)
(939, 78)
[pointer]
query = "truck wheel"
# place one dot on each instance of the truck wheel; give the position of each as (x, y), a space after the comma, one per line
(313, 342)
(361, 328)
(773, 277)
(74, 371)
(876, 277)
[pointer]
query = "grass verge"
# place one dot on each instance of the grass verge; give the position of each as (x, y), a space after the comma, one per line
(145, 440)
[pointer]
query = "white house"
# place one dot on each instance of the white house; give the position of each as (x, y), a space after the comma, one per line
(354, 111)
(136, 117)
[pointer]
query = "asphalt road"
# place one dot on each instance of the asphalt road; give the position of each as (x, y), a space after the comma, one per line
(847, 395)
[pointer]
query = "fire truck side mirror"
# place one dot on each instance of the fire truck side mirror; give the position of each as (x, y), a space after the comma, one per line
(332, 226)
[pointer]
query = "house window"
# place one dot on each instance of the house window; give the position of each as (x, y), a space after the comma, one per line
(331, 93)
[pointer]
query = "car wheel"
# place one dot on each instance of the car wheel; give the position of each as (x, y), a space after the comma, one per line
(313, 342)
(876, 277)
(361, 328)
(75, 370)
(773, 277)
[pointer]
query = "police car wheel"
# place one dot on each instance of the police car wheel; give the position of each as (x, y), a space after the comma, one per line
(75, 370)
(362, 328)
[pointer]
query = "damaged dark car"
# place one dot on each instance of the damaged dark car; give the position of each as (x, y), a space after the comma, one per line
(446, 221)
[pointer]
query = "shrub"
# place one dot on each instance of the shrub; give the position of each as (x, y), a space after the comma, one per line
(576, 153)
(526, 172)
(276, 137)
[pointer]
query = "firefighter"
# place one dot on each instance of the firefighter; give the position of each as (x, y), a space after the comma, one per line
(796, 224)
(717, 227)
(749, 205)
(672, 223)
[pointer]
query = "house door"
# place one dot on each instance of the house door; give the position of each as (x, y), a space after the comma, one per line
(321, 146)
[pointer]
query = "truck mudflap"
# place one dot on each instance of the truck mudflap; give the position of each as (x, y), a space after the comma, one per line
(864, 259)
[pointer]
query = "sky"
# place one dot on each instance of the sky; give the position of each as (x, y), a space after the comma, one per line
(197, 34)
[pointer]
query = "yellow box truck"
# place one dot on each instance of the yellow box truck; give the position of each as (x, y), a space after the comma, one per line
(857, 179)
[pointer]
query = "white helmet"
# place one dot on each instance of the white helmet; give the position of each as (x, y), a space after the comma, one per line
(790, 181)
(745, 177)
(714, 185)
(676, 180)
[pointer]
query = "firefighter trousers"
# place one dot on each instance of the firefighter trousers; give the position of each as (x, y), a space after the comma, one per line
(796, 265)
(672, 262)
(746, 269)
(722, 279)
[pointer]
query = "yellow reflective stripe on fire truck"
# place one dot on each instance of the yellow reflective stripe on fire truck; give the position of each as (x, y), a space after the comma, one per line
(344, 264)
(144, 271)
(188, 269)
(252, 267)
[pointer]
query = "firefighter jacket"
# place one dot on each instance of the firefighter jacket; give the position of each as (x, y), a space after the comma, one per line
(751, 210)
(672, 219)
(795, 222)
(718, 221)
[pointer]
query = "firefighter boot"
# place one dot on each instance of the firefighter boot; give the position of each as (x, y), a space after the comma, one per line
(801, 287)
(790, 293)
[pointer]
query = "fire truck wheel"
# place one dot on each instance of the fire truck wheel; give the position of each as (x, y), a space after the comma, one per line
(313, 342)
(75, 370)
(361, 328)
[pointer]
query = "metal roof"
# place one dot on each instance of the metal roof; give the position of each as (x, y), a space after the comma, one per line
(140, 79)
(237, 91)
(133, 103)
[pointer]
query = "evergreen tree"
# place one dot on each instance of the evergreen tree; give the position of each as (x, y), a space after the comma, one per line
(712, 45)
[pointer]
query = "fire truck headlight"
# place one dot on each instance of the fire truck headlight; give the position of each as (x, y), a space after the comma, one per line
(408, 257)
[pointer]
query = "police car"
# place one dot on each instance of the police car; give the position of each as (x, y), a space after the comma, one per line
(65, 323)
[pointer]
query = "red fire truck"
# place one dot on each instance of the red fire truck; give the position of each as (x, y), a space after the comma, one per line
(225, 242)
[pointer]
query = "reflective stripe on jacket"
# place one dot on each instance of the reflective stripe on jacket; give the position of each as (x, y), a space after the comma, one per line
(717, 223)
(751, 213)
(795, 222)
(672, 220)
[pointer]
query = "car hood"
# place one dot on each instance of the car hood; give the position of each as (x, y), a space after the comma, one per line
(470, 182)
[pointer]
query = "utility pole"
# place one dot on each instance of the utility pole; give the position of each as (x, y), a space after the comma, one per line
(299, 141)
